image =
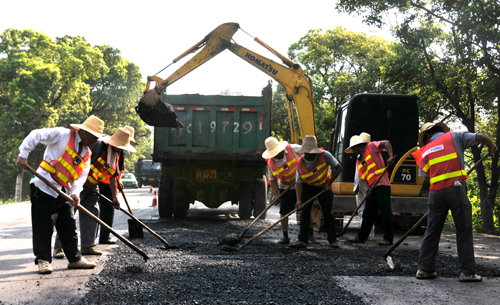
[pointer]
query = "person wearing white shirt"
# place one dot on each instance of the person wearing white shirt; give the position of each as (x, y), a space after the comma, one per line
(66, 164)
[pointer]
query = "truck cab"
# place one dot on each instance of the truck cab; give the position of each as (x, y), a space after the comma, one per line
(148, 172)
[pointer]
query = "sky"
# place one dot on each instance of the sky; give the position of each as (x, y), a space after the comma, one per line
(152, 34)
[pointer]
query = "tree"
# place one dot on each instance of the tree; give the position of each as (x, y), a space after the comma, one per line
(340, 63)
(450, 57)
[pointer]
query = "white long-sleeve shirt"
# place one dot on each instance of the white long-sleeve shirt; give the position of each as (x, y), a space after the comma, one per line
(56, 139)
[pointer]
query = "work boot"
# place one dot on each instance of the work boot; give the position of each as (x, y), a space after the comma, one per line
(335, 245)
(44, 267)
(284, 241)
(108, 241)
(298, 244)
(424, 275)
(314, 240)
(470, 277)
(58, 253)
(384, 242)
(356, 240)
(90, 251)
(82, 264)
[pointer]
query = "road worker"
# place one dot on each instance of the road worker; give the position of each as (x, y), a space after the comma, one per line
(437, 158)
(312, 177)
(100, 171)
(370, 165)
(66, 164)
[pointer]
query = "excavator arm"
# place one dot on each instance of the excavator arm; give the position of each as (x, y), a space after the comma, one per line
(291, 77)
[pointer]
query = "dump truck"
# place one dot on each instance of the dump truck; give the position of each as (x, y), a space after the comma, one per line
(217, 156)
(392, 117)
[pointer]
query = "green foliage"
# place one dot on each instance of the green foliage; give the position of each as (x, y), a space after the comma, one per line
(340, 63)
(46, 83)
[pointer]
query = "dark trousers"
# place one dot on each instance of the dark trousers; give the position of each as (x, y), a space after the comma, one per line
(107, 212)
(379, 199)
(456, 200)
(47, 211)
(325, 201)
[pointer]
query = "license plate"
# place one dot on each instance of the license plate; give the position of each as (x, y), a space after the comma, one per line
(152, 179)
(206, 174)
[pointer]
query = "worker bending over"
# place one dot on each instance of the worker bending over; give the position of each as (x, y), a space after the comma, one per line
(66, 164)
(313, 177)
(441, 158)
(371, 166)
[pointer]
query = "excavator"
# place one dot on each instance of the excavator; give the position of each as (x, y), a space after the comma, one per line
(299, 93)
(396, 111)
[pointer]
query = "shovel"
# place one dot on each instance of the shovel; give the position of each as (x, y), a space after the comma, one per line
(263, 212)
(362, 202)
(277, 222)
(387, 257)
(167, 245)
(84, 210)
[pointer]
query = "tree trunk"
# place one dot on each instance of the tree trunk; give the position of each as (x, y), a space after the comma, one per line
(485, 204)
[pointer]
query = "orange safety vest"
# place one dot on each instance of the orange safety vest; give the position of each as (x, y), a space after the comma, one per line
(367, 168)
(286, 173)
(319, 174)
(440, 161)
(100, 171)
(69, 166)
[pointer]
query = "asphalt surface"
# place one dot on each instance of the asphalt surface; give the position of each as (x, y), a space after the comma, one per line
(202, 271)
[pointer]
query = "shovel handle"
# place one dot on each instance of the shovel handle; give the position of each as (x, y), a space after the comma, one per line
(362, 202)
(277, 222)
(84, 210)
(134, 218)
(265, 210)
(124, 197)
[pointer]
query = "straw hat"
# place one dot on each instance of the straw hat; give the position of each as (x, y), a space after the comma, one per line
(273, 147)
(309, 146)
(120, 139)
(363, 138)
(131, 130)
(93, 124)
(426, 127)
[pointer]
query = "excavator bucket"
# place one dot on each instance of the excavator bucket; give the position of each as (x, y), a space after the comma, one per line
(155, 112)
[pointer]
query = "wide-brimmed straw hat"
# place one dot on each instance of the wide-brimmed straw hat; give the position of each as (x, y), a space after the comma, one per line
(273, 147)
(120, 139)
(131, 130)
(309, 146)
(426, 127)
(93, 124)
(363, 138)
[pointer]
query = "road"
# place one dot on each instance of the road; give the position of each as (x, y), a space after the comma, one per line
(20, 282)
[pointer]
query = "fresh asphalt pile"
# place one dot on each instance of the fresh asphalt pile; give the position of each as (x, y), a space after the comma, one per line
(202, 271)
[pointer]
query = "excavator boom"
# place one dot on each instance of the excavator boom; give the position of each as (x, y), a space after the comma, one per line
(298, 87)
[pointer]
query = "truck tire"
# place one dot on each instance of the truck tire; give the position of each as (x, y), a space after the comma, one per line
(259, 193)
(181, 206)
(165, 200)
(245, 200)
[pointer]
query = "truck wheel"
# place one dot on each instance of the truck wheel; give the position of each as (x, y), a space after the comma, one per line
(259, 192)
(245, 200)
(181, 206)
(165, 200)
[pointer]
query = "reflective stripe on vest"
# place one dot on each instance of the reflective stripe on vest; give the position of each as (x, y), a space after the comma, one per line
(318, 175)
(286, 173)
(100, 171)
(367, 168)
(69, 166)
(439, 159)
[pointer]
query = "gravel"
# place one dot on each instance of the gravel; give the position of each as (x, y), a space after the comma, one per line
(204, 269)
